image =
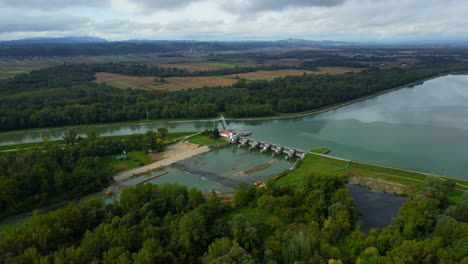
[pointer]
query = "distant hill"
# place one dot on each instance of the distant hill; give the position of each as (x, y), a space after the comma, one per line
(60, 40)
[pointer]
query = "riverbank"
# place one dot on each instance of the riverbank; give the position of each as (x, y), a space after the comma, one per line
(175, 153)
(265, 118)
(23, 146)
(376, 177)
(340, 105)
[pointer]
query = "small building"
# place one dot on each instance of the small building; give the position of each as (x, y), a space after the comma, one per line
(225, 133)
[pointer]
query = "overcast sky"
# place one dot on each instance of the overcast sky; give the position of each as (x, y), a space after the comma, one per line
(349, 20)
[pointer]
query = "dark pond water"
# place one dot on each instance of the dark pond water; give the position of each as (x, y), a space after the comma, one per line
(377, 208)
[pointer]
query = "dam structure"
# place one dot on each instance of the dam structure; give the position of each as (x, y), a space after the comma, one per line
(239, 137)
(275, 149)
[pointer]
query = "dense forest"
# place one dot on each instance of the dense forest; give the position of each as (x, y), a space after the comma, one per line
(314, 222)
(64, 95)
(33, 178)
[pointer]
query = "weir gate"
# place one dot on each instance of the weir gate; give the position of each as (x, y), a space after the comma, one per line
(238, 137)
(265, 146)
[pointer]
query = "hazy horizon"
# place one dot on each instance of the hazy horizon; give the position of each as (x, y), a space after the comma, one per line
(238, 20)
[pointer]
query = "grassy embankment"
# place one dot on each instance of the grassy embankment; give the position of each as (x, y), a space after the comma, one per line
(413, 181)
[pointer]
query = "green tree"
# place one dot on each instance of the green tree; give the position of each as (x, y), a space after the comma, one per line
(244, 232)
(91, 135)
(192, 234)
(301, 247)
(216, 134)
(460, 210)
(70, 137)
(163, 132)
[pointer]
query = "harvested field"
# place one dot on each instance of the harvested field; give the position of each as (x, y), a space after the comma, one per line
(270, 75)
(180, 83)
(170, 84)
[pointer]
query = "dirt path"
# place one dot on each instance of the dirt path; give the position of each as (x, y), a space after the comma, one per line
(177, 152)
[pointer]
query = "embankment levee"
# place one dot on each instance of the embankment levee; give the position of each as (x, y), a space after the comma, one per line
(388, 186)
(285, 116)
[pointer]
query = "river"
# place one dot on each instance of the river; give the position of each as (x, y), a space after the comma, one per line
(422, 128)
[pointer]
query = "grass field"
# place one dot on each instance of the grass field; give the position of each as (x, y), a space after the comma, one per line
(323, 150)
(313, 164)
(416, 181)
(113, 165)
(206, 140)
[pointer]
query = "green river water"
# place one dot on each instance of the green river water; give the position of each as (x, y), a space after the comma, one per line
(422, 128)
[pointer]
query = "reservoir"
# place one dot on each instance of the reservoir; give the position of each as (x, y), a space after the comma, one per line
(422, 128)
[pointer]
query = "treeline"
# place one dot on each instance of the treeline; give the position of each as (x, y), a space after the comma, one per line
(33, 178)
(303, 93)
(148, 70)
(310, 223)
(316, 58)
(143, 47)
(111, 48)
(45, 99)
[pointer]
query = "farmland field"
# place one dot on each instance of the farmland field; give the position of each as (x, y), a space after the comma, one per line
(170, 84)
(204, 66)
(270, 75)
(180, 83)
(12, 67)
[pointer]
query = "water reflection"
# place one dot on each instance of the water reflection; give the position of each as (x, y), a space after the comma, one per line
(421, 128)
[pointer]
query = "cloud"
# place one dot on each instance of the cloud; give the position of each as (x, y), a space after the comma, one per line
(350, 20)
(154, 5)
(121, 26)
(37, 23)
(52, 4)
(240, 6)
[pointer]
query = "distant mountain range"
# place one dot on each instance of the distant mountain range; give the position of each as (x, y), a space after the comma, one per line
(89, 39)
(272, 43)
(86, 45)
(59, 40)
